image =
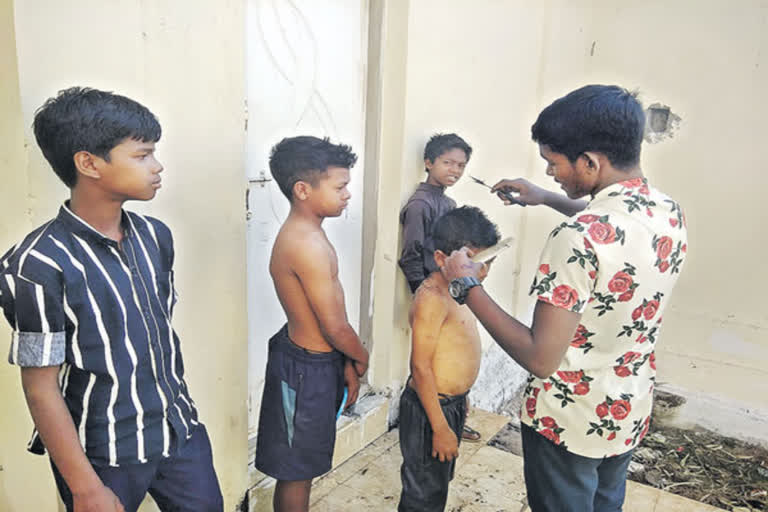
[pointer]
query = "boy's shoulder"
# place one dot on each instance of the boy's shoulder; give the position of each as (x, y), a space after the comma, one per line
(301, 243)
(431, 299)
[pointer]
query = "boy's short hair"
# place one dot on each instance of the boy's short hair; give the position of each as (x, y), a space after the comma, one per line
(604, 118)
(306, 158)
(85, 119)
(439, 143)
(465, 226)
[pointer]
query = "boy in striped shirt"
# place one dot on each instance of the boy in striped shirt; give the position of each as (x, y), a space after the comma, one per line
(89, 296)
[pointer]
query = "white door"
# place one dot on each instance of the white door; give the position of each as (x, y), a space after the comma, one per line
(305, 65)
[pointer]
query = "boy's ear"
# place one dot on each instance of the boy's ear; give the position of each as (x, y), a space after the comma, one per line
(87, 164)
(591, 161)
(301, 190)
(428, 164)
(440, 258)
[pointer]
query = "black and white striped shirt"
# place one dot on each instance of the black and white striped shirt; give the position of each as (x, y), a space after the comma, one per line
(102, 311)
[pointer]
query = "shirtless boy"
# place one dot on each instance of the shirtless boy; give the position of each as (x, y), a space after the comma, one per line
(445, 360)
(317, 352)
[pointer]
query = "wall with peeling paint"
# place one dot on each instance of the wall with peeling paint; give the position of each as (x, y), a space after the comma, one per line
(186, 64)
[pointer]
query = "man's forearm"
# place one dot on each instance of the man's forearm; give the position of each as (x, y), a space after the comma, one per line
(564, 204)
(514, 337)
(57, 430)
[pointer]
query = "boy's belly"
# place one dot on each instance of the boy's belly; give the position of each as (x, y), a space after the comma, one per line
(456, 371)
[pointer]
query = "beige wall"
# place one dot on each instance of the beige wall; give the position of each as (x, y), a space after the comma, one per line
(187, 66)
(486, 71)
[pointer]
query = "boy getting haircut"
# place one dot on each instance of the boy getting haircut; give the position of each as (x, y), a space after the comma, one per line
(317, 352)
(90, 299)
(445, 360)
(445, 157)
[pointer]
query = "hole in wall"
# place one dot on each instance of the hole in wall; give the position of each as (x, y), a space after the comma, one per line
(660, 123)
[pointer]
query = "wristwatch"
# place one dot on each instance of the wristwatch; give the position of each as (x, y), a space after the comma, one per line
(459, 288)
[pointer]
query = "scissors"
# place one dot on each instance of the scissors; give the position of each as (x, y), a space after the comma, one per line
(508, 196)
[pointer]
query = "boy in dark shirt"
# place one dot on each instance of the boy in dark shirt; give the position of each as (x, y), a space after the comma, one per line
(445, 157)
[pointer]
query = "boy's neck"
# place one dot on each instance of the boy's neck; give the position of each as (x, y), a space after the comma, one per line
(430, 181)
(439, 280)
(302, 214)
(102, 215)
(611, 176)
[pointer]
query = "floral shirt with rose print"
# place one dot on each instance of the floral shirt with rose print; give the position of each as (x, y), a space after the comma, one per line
(615, 263)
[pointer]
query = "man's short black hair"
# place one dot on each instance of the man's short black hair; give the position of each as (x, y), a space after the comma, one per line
(603, 118)
(306, 158)
(464, 226)
(440, 143)
(85, 119)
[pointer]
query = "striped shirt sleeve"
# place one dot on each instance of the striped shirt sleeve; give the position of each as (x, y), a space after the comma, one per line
(34, 305)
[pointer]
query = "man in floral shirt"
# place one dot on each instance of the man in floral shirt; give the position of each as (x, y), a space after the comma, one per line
(605, 278)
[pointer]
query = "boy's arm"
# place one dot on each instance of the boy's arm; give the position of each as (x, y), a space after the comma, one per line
(54, 424)
(530, 194)
(428, 316)
(415, 218)
(315, 266)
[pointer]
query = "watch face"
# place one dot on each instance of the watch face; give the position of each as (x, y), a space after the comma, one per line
(454, 288)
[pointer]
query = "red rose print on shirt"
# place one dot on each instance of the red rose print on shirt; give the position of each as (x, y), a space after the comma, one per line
(587, 219)
(652, 360)
(620, 282)
(664, 247)
(620, 409)
(633, 183)
(570, 376)
(564, 296)
(549, 434)
(548, 422)
(602, 233)
(663, 266)
(544, 268)
(649, 311)
(530, 407)
(602, 410)
(622, 371)
(582, 388)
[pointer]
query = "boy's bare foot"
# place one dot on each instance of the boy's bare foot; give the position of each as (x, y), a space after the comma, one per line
(469, 434)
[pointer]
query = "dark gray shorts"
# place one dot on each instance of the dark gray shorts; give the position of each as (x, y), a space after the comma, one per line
(297, 424)
(425, 479)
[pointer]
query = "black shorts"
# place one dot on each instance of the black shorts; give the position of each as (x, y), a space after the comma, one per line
(425, 479)
(297, 424)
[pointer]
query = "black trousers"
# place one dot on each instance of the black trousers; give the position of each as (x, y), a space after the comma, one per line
(425, 479)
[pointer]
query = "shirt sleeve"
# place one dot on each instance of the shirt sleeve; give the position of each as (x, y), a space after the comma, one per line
(415, 218)
(567, 270)
(33, 304)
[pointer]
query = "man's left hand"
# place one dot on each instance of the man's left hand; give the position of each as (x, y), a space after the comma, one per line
(459, 265)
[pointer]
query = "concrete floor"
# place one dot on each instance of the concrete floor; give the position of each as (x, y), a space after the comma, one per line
(487, 480)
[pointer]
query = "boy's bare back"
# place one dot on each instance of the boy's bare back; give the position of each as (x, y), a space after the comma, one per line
(450, 330)
(304, 269)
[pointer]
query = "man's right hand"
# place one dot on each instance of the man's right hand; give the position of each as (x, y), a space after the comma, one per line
(527, 192)
(445, 444)
(100, 499)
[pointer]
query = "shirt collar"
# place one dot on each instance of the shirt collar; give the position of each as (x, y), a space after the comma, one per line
(616, 188)
(428, 187)
(84, 230)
